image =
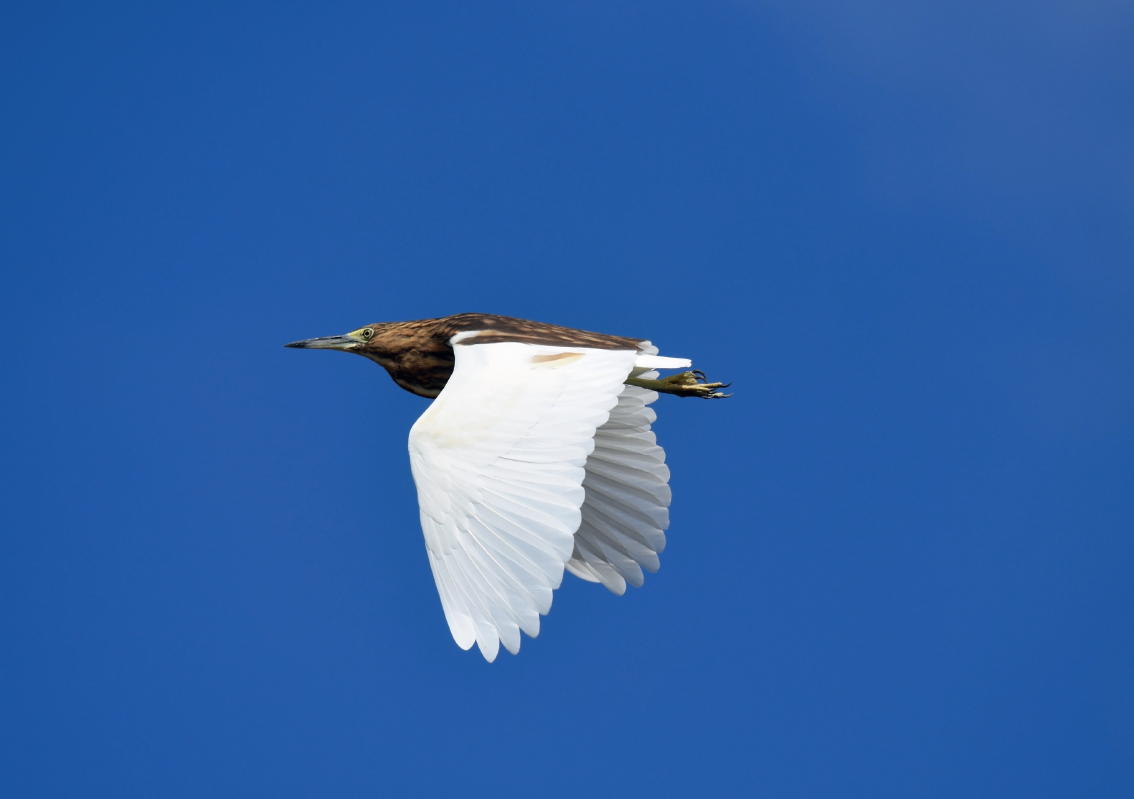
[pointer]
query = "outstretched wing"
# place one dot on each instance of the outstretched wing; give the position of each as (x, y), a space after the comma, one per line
(498, 461)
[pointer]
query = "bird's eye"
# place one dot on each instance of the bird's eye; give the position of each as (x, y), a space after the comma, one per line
(367, 333)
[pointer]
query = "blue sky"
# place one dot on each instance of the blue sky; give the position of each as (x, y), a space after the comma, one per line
(900, 560)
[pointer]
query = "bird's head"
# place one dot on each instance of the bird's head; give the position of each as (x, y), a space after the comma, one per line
(417, 354)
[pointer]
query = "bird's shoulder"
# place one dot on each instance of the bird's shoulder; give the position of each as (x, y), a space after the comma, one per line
(484, 328)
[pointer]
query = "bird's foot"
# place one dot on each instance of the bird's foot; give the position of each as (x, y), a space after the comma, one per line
(683, 384)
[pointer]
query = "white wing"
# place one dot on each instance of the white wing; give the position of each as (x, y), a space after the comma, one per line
(498, 462)
(626, 510)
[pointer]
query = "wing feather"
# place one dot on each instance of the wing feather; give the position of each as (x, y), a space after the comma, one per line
(499, 462)
(626, 510)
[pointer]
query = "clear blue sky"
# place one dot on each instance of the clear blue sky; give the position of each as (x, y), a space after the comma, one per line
(901, 558)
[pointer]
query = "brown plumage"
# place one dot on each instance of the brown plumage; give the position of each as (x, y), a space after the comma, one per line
(418, 354)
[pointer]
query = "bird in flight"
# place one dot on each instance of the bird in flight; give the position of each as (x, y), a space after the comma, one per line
(535, 456)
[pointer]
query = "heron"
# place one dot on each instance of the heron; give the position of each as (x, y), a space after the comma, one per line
(535, 457)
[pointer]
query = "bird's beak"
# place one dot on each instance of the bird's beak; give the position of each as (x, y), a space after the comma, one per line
(346, 342)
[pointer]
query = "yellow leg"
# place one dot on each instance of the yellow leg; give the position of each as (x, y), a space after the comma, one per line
(683, 384)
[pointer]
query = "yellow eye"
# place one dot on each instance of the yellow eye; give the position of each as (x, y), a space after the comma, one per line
(367, 333)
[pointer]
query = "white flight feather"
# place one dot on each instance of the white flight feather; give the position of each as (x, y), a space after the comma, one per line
(626, 510)
(498, 459)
